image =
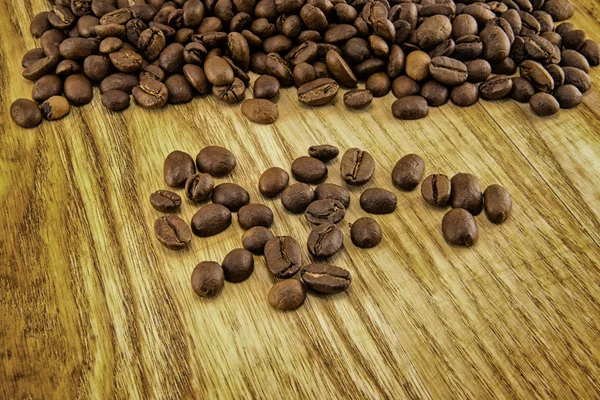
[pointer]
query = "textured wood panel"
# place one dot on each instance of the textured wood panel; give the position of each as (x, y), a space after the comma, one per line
(92, 306)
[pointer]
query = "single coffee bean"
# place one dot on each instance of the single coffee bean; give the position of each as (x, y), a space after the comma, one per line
(410, 108)
(435, 93)
(497, 203)
(323, 152)
(210, 220)
(196, 77)
(535, 73)
(522, 90)
(436, 190)
(309, 170)
(304, 53)
(464, 24)
(408, 172)
(404, 86)
(207, 279)
(459, 227)
(25, 113)
(180, 91)
(216, 160)
(568, 96)
(260, 111)
(574, 39)
(378, 201)
(252, 215)
(572, 58)
(126, 60)
(591, 51)
(280, 68)
(433, 31)
(238, 265)
(32, 56)
(326, 278)
(318, 92)
(165, 201)
(46, 87)
(495, 87)
(466, 193)
(334, 192)
(78, 89)
(199, 187)
(287, 294)
(357, 167)
(255, 238)
(340, 69)
(118, 81)
(478, 70)
(559, 10)
(150, 93)
(55, 108)
(465, 95)
(51, 41)
(266, 87)
(273, 181)
(496, 44)
(417, 65)
(543, 104)
(577, 78)
(304, 73)
(218, 71)
(378, 84)
(115, 100)
(366, 233)
(172, 232)
(41, 67)
(231, 196)
(283, 256)
(110, 45)
(358, 99)
(77, 49)
(177, 168)
(325, 240)
(230, 94)
(40, 24)
(448, 71)
(325, 211)
(297, 197)
(67, 67)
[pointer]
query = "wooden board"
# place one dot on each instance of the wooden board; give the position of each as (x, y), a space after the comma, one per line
(92, 306)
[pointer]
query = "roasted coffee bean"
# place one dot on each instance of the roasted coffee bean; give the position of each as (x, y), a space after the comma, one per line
(435, 93)
(46, 87)
(297, 197)
(495, 87)
(366, 233)
(334, 192)
(323, 152)
(318, 92)
(357, 99)
(574, 39)
(572, 58)
(25, 113)
(378, 201)
(41, 67)
(357, 50)
(540, 49)
(463, 25)
(436, 190)
(417, 65)
(559, 9)
(591, 51)
(543, 104)
(51, 41)
(260, 111)
(97, 67)
(252, 215)
(120, 17)
(309, 170)
(433, 31)
(67, 67)
(196, 77)
(115, 100)
(78, 89)
(305, 52)
(577, 78)
(325, 211)
(465, 95)
(109, 30)
(254, 239)
(266, 87)
(230, 195)
(239, 50)
(283, 256)
(55, 108)
(172, 232)
(408, 172)
(273, 181)
(459, 227)
(194, 53)
(340, 33)
(151, 43)
(178, 167)
(325, 240)
(321, 70)
(466, 193)
(78, 48)
(165, 201)
(32, 56)
(378, 84)
(410, 108)
(126, 60)
(61, 17)
(404, 86)
(180, 91)
(230, 94)
(304, 73)
(216, 160)
(119, 81)
(199, 187)
(498, 203)
(238, 265)
(326, 278)
(340, 69)
(171, 59)
(568, 96)
(468, 47)
(207, 279)
(210, 220)
(522, 90)
(357, 167)
(280, 68)
(287, 295)
(218, 71)
(537, 75)
(448, 71)
(40, 24)
(496, 44)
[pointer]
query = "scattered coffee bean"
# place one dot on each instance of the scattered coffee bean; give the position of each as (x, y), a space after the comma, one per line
(252, 215)
(25, 113)
(255, 238)
(568, 96)
(325, 211)
(379, 84)
(150, 93)
(173, 232)
(177, 168)
(417, 65)
(199, 187)
(459, 227)
(318, 92)
(230, 195)
(283, 256)
(180, 91)
(207, 279)
(210, 220)
(495, 87)
(404, 86)
(577, 78)
(115, 100)
(435, 93)
(287, 294)
(436, 190)
(297, 197)
(465, 95)
(357, 99)
(478, 70)
(238, 265)
(46, 87)
(522, 90)
(408, 172)
(366, 233)
(466, 193)
(357, 167)
(325, 240)
(323, 152)
(543, 104)
(497, 203)
(273, 181)
(378, 201)
(165, 201)
(325, 278)
(55, 108)
(309, 170)
(410, 108)
(260, 111)
(78, 89)
(266, 87)
(215, 160)
(448, 71)
(332, 191)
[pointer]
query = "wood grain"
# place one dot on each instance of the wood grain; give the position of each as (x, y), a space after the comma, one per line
(92, 306)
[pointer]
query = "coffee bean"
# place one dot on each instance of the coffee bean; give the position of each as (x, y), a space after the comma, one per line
(433, 31)
(318, 92)
(55, 108)
(304, 53)
(358, 99)
(448, 71)
(119, 81)
(230, 93)
(199, 187)
(340, 33)
(417, 65)
(110, 45)
(378, 84)
(238, 265)
(218, 71)
(287, 294)
(466, 193)
(459, 227)
(537, 75)
(283, 256)
(255, 238)
(150, 93)
(78, 89)
(591, 51)
(172, 232)
(207, 279)
(478, 70)
(273, 181)
(210, 220)
(325, 240)
(495, 87)
(151, 43)
(357, 167)
(568, 96)
(67, 67)
(41, 67)
(260, 111)
(410, 108)
(574, 39)
(196, 77)
(522, 90)
(340, 69)
(165, 201)
(334, 192)
(435, 93)
(325, 211)
(239, 50)
(252, 215)
(25, 113)
(366, 233)
(46, 87)
(378, 201)
(96, 67)
(464, 24)
(39, 24)
(280, 68)
(465, 95)
(115, 100)
(61, 17)
(498, 203)
(404, 86)
(266, 87)
(309, 170)
(436, 190)
(408, 172)
(216, 160)
(572, 58)
(323, 152)
(326, 278)
(577, 78)
(297, 197)
(231, 196)
(126, 60)
(178, 167)
(543, 104)
(32, 56)
(194, 53)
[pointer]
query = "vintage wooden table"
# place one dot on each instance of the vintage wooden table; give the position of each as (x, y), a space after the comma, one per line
(92, 306)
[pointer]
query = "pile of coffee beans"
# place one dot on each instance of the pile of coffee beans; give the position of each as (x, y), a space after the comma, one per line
(424, 51)
(323, 207)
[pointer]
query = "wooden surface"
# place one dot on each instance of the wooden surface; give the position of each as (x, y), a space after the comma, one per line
(92, 306)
